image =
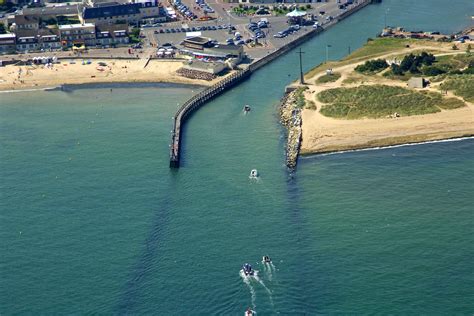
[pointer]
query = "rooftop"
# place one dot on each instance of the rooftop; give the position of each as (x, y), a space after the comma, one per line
(197, 40)
(76, 26)
(7, 36)
(25, 19)
(112, 10)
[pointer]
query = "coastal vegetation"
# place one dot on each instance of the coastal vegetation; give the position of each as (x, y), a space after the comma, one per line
(413, 63)
(331, 77)
(376, 101)
(372, 66)
(300, 98)
(375, 48)
(135, 35)
(462, 86)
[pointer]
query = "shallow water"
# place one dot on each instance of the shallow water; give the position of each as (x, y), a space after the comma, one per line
(94, 221)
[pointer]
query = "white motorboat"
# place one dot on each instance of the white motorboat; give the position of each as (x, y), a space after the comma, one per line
(253, 174)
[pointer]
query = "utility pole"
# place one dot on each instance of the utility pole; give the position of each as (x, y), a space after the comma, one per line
(327, 53)
(301, 66)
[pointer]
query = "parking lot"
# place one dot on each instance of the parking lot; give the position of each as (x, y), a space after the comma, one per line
(219, 30)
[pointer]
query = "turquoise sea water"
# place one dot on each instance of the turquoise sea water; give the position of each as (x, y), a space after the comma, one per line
(93, 221)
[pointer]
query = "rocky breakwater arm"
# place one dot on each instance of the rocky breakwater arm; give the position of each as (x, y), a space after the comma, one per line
(290, 117)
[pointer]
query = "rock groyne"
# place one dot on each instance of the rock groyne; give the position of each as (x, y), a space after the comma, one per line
(290, 117)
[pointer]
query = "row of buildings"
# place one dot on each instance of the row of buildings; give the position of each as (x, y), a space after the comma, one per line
(48, 28)
(65, 36)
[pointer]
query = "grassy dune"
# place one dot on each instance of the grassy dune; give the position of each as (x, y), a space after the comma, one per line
(462, 86)
(380, 101)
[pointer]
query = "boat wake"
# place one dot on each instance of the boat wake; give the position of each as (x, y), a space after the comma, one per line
(247, 279)
(265, 287)
(269, 269)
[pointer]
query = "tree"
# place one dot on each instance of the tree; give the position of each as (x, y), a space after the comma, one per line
(407, 62)
(427, 59)
(372, 66)
(414, 68)
(455, 47)
(397, 70)
(433, 71)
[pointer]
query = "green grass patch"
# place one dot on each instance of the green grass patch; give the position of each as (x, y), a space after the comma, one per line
(380, 101)
(311, 105)
(329, 78)
(462, 86)
(353, 78)
(380, 46)
(299, 97)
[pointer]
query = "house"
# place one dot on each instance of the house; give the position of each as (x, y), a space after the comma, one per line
(26, 22)
(417, 83)
(35, 40)
(48, 39)
(50, 42)
(26, 43)
(110, 13)
(77, 34)
(7, 43)
(112, 35)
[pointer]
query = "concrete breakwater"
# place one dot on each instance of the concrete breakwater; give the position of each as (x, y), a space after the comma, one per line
(198, 100)
(193, 104)
(290, 117)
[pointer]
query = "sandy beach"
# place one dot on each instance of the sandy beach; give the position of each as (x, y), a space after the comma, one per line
(39, 76)
(323, 134)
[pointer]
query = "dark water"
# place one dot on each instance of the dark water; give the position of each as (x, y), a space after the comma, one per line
(93, 221)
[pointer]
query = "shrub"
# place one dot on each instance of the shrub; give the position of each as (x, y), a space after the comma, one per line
(372, 66)
(397, 70)
(329, 78)
(433, 71)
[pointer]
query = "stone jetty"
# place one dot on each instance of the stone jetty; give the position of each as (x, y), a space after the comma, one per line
(290, 117)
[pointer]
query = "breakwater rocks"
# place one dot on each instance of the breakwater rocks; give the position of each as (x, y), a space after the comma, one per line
(196, 74)
(290, 117)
